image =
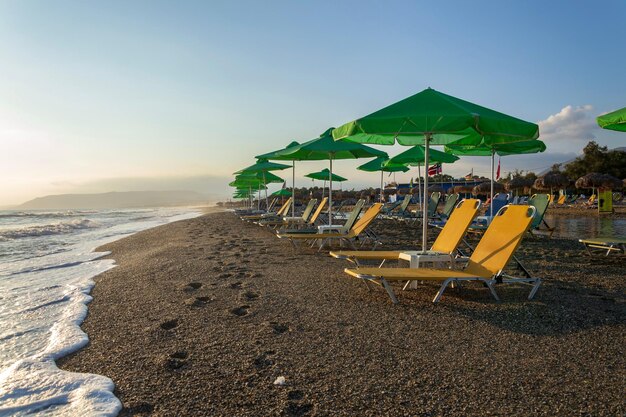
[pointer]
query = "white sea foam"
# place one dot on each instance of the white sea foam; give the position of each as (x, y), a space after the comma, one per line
(43, 301)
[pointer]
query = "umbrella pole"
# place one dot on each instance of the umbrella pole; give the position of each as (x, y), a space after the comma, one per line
(419, 184)
(493, 152)
(425, 214)
(293, 188)
(258, 199)
(382, 197)
(265, 185)
(330, 193)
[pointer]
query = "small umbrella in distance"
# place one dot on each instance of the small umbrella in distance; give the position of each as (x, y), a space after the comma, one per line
(383, 165)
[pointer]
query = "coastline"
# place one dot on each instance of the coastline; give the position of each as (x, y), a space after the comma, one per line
(257, 310)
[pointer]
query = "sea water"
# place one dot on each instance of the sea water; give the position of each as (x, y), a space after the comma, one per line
(47, 262)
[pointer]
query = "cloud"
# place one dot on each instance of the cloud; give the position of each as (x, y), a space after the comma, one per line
(569, 129)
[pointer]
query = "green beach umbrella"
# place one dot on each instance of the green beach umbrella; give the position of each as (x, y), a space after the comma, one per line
(263, 166)
(281, 193)
(416, 156)
(434, 118)
(325, 175)
(326, 148)
(383, 165)
(275, 155)
(502, 149)
(613, 121)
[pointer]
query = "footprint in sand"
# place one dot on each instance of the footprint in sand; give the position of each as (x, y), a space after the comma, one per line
(176, 360)
(240, 311)
(250, 295)
(262, 361)
(198, 301)
(236, 285)
(279, 328)
(296, 409)
(295, 395)
(169, 325)
(193, 286)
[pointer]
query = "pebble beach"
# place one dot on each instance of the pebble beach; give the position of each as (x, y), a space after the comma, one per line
(204, 316)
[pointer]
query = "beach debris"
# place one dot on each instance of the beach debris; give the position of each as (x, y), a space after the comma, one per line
(280, 381)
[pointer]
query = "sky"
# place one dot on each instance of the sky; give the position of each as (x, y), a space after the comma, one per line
(119, 95)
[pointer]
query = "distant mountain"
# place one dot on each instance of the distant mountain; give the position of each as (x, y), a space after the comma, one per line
(114, 200)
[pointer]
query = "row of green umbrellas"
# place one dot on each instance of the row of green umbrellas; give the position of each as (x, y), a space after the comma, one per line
(427, 118)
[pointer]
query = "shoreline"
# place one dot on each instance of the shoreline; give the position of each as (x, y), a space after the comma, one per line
(257, 310)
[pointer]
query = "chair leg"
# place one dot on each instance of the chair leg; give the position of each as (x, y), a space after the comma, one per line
(387, 287)
(493, 290)
(535, 289)
(443, 287)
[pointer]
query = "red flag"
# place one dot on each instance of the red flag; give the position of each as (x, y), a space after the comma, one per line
(470, 175)
(498, 171)
(434, 170)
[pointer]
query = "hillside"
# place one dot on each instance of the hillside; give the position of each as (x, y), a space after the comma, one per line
(115, 200)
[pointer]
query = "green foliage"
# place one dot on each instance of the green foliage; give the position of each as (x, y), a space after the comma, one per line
(599, 159)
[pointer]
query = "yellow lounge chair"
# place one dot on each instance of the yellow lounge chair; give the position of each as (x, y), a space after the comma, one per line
(608, 244)
(486, 264)
(282, 211)
(310, 223)
(445, 244)
(353, 234)
(285, 220)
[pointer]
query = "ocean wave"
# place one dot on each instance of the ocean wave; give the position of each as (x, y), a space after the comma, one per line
(49, 214)
(48, 229)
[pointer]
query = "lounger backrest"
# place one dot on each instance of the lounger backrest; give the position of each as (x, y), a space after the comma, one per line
(308, 209)
(561, 200)
(433, 202)
(284, 208)
(366, 219)
(450, 203)
(499, 201)
(405, 203)
(500, 240)
(272, 204)
(540, 202)
(318, 210)
(456, 226)
(354, 214)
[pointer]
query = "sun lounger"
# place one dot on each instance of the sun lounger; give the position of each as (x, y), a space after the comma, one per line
(486, 264)
(352, 217)
(352, 235)
(401, 210)
(448, 207)
(539, 226)
(286, 220)
(608, 244)
(282, 211)
(251, 211)
(443, 248)
(433, 202)
(310, 225)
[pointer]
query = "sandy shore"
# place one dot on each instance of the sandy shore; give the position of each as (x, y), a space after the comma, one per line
(202, 315)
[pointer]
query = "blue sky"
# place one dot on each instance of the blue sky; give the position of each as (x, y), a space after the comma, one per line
(94, 92)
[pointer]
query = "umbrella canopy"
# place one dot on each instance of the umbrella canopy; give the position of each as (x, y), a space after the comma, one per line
(518, 183)
(416, 156)
(596, 180)
(325, 175)
(383, 165)
(431, 117)
(275, 155)
(267, 177)
(326, 148)
(263, 166)
(614, 121)
(282, 193)
(551, 180)
(485, 188)
(465, 147)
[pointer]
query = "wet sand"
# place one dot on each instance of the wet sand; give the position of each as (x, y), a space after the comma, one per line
(201, 316)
